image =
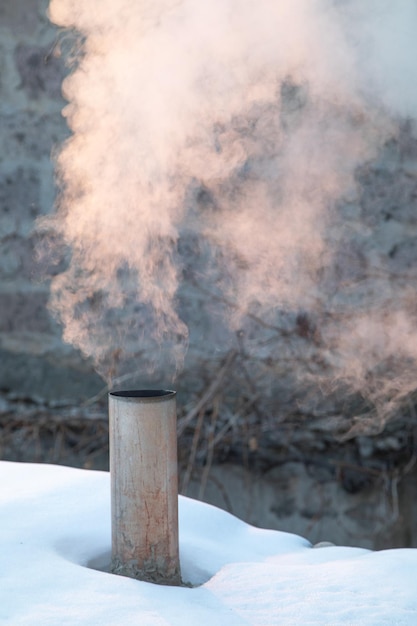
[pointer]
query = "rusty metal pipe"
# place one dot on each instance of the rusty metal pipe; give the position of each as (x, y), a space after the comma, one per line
(144, 485)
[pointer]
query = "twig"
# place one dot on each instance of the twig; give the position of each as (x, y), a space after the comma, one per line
(209, 394)
(57, 451)
(394, 497)
(106, 389)
(193, 452)
(233, 305)
(223, 491)
(210, 451)
(229, 424)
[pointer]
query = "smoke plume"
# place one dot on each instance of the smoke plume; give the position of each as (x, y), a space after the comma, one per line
(235, 128)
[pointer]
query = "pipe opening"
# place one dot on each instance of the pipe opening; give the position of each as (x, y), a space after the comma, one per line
(144, 394)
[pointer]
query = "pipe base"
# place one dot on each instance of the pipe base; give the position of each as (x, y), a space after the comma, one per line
(147, 573)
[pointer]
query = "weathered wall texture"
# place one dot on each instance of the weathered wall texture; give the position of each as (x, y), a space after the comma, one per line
(252, 384)
(276, 355)
(309, 501)
(33, 360)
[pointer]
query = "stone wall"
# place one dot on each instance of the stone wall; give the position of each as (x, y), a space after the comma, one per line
(309, 502)
(275, 356)
(34, 362)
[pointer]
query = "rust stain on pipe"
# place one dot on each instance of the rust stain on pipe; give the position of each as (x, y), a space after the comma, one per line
(144, 485)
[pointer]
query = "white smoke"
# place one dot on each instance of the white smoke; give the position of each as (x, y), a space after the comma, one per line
(269, 107)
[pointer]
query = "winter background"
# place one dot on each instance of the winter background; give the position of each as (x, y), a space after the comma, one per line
(227, 206)
(55, 547)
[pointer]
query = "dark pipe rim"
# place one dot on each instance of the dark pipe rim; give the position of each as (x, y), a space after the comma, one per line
(144, 395)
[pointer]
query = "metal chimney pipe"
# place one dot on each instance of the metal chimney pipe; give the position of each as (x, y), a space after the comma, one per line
(144, 485)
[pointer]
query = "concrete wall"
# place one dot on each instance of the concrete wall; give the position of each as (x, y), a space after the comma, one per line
(309, 501)
(378, 237)
(33, 360)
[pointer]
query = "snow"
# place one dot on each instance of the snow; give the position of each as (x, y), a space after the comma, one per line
(55, 543)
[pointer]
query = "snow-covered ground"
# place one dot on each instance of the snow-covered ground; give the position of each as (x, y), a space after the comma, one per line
(55, 530)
